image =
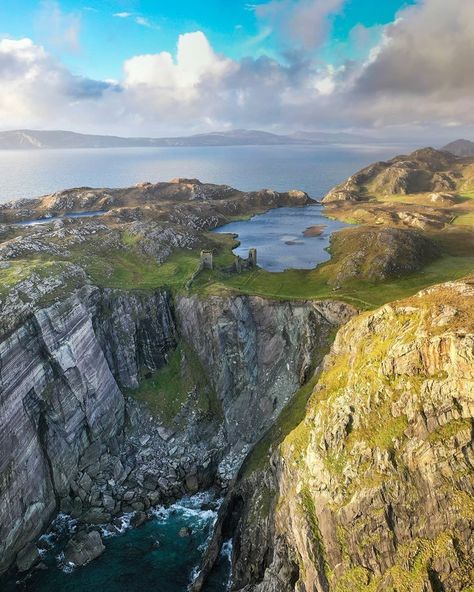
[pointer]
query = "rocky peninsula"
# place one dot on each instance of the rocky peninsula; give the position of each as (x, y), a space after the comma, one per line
(335, 419)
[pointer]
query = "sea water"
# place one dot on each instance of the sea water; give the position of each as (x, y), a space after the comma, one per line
(314, 169)
(151, 558)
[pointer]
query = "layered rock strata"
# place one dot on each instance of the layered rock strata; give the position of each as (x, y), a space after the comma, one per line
(71, 441)
(374, 490)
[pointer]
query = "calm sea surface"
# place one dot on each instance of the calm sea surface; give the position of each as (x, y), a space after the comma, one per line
(314, 169)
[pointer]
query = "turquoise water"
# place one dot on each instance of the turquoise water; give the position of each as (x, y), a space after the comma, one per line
(279, 237)
(151, 558)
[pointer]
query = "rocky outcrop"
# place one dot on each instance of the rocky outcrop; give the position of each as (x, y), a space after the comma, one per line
(460, 148)
(154, 200)
(425, 170)
(70, 440)
(136, 332)
(83, 548)
(377, 253)
(374, 490)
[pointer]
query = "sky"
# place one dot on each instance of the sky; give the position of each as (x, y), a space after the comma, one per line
(388, 68)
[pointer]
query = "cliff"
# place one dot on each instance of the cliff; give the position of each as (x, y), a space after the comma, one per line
(75, 434)
(374, 489)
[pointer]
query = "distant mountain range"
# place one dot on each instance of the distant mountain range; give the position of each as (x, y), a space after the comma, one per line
(35, 139)
(460, 148)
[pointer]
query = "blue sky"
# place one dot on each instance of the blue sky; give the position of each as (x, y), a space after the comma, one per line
(391, 68)
(105, 41)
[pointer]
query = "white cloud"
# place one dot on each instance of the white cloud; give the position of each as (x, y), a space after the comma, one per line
(195, 60)
(429, 84)
(305, 23)
(144, 22)
(137, 19)
(37, 90)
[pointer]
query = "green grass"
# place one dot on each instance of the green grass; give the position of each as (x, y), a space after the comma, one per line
(165, 392)
(467, 194)
(19, 270)
(464, 220)
(22, 269)
(449, 430)
(129, 270)
(181, 382)
(313, 284)
(129, 239)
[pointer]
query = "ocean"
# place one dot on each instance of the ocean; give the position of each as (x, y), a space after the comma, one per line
(314, 169)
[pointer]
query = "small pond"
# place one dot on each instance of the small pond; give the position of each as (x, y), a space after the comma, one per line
(286, 238)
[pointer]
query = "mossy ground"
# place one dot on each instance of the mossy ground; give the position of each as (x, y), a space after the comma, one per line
(124, 266)
(180, 382)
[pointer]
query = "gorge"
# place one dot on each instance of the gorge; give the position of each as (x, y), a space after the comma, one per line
(335, 423)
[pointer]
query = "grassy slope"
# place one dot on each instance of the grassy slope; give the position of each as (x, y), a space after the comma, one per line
(183, 380)
(456, 243)
(312, 284)
(129, 270)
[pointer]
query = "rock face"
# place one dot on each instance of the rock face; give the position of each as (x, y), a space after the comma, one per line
(460, 148)
(69, 439)
(425, 170)
(58, 397)
(374, 490)
(257, 353)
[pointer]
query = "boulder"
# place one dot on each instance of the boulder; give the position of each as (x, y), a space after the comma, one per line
(192, 483)
(185, 532)
(83, 548)
(96, 516)
(138, 519)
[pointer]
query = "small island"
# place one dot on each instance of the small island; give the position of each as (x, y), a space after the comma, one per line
(314, 230)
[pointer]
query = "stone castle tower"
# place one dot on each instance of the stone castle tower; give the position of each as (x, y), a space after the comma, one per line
(206, 260)
(252, 259)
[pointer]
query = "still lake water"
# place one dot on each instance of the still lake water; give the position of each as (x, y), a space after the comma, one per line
(133, 561)
(314, 169)
(278, 236)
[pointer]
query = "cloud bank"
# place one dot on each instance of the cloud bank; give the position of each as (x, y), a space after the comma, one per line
(420, 74)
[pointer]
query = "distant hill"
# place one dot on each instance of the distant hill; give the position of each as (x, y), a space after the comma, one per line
(424, 171)
(460, 148)
(39, 139)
